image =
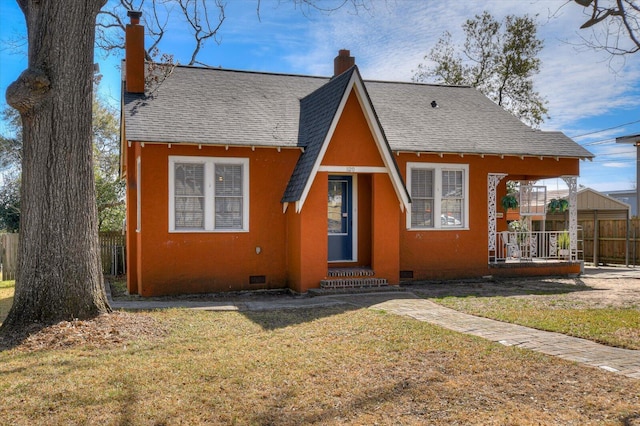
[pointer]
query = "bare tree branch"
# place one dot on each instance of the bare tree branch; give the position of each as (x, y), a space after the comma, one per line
(156, 28)
(615, 23)
(204, 17)
(196, 13)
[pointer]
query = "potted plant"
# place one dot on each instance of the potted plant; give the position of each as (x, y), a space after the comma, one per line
(509, 201)
(558, 205)
(520, 229)
(564, 242)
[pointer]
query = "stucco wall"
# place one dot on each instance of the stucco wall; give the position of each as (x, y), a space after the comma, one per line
(190, 262)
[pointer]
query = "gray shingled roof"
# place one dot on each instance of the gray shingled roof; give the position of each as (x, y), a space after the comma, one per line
(222, 107)
(465, 121)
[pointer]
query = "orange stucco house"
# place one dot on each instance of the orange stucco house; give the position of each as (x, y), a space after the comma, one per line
(244, 180)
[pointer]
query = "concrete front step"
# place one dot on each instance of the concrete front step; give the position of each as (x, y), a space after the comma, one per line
(354, 291)
(350, 272)
(353, 283)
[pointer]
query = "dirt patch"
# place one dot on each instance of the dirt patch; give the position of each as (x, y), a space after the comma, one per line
(597, 288)
(609, 292)
(115, 329)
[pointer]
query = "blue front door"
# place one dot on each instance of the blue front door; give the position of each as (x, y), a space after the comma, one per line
(340, 209)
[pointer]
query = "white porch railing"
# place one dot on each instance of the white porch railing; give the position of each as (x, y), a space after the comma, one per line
(531, 246)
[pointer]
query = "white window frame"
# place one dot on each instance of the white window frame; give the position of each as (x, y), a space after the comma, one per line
(438, 168)
(209, 196)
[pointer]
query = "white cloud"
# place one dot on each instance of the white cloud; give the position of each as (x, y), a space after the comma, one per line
(615, 165)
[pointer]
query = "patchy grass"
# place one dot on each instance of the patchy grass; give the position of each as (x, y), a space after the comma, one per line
(610, 326)
(118, 287)
(6, 298)
(316, 366)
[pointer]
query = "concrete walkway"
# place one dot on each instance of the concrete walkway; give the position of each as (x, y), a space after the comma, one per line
(616, 360)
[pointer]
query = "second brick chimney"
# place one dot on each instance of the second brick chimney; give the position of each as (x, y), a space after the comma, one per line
(343, 62)
(134, 54)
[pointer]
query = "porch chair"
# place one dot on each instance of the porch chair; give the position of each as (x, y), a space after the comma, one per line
(510, 241)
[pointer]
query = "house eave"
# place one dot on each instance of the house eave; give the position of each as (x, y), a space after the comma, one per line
(461, 154)
(632, 139)
(217, 145)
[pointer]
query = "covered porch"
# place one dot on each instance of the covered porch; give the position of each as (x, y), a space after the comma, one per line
(522, 246)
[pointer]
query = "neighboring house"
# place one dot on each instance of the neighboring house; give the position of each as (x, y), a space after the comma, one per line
(245, 180)
(633, 197)
(627, 196)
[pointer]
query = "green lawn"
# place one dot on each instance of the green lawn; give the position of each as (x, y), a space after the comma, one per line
(611, 326)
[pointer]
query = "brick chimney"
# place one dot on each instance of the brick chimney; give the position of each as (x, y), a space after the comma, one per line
(134, 54)
(343, 62)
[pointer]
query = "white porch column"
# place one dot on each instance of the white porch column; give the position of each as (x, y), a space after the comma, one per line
(493, 179)
(572, 183)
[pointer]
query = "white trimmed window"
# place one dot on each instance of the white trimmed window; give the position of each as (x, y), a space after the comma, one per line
(439, 195)
(208, 194)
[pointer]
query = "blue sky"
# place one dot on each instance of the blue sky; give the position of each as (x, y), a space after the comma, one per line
(587, 91)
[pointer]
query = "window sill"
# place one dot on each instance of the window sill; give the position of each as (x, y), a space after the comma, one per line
(462, 228)
(204, 231)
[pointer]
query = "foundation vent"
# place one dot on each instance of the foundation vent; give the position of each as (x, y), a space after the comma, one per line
(406, 275)
(257, 279)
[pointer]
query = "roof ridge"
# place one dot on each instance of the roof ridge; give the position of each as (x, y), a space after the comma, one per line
(211, 68)
(418, 83)
(320, 77)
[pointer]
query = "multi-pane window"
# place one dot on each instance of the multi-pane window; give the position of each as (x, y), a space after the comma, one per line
(439, 195)
(208, 194)
(422, 198)
(189, 195)
(229, 196)
(452, 198)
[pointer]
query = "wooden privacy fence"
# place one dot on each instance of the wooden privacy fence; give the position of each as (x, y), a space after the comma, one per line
(610, 242)
(8, 256)
(112, 254)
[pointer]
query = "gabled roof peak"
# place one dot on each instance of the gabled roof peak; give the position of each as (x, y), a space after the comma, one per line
(320, 113)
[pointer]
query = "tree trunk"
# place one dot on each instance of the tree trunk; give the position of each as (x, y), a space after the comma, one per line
(59, 276)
